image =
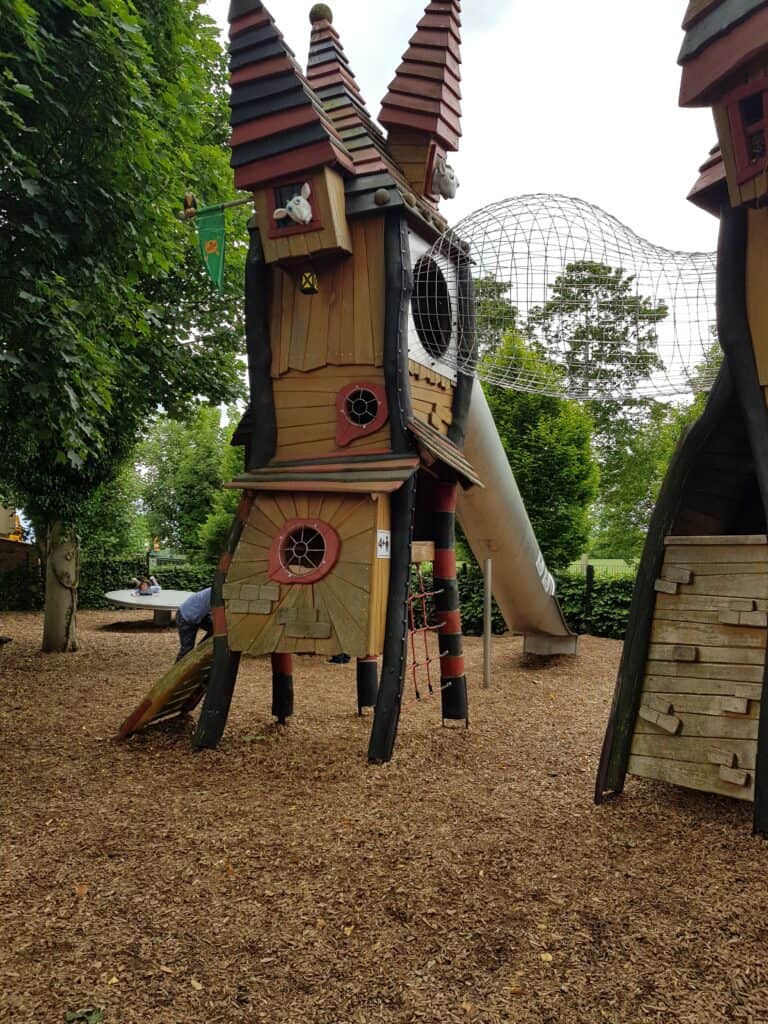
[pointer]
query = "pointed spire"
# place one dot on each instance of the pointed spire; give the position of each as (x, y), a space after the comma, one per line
(332, 79)
(425, 95)
(279, 128)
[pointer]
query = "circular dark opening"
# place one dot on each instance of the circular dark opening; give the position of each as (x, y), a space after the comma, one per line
(431, 306)
(362, 407)
(303, 551)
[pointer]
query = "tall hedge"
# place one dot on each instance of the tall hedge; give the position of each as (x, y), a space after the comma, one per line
(23, 588)
(603, 611)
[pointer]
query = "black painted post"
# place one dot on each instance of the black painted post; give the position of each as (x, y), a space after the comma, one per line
(367, 683)
(282, 687)
(388, 703)
(589, 587)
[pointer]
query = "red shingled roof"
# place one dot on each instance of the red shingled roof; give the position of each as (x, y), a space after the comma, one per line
(425, 94)
(333, 81)
(279, 127)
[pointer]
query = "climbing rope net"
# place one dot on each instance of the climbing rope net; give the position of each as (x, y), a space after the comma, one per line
(572, 303)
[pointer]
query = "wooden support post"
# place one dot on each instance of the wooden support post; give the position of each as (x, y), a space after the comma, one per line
(218, 696)
(453, 681)
(388, 703)
(367, 683)
(487, 622)
(282, 687)
(221, 684)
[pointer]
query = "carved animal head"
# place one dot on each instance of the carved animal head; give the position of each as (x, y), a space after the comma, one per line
(298, 207)
(444, 180)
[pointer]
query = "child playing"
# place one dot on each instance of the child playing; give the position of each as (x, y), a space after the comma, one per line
(146, 587)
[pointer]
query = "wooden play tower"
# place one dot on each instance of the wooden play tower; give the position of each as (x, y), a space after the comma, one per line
(353, 435)
(360, 326)
(689, 707)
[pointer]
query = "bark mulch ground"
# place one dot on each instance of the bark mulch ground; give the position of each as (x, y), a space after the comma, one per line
(281, 879)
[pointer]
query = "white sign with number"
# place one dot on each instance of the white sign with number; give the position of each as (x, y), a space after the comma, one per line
(383, 544)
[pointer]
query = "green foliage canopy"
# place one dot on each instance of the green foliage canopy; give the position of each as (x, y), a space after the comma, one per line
(183, 465)
(547, 442)
(107, 112)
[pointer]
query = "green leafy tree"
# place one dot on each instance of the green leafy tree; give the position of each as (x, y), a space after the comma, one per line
(108, 112)
(596, 324)
(184, 465)
(496, 315)
(606, 336)
(111, 523)
(547, 442)
(632, 478)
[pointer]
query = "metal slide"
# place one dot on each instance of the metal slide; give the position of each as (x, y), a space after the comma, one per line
(497, 526)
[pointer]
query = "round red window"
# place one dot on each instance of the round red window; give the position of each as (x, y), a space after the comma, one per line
(360, 409)
(304, 551)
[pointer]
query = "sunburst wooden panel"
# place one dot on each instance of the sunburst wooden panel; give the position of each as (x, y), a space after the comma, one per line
(342, 612)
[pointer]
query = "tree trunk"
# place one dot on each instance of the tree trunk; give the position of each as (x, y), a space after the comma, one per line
(62, 575)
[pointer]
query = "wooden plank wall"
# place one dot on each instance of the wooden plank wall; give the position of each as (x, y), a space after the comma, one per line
(410, 151)
(343, 324)
(431, 396)
(700, 701)
(342, 612)
(305, 406)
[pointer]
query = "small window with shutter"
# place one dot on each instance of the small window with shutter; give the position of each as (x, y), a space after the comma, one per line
(748, 117)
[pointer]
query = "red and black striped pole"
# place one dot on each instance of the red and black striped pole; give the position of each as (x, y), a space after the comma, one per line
(282, 687)
(453, 680)
(367, 683)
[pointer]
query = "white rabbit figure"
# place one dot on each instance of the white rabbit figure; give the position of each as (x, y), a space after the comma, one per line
(444, 180)
(298, 207)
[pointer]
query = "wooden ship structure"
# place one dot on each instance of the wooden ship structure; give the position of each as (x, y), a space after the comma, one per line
(689, 705)
(361, 355)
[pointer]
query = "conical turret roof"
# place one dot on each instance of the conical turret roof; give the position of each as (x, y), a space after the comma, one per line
(425, 94)
(332, 79)
(279, 127)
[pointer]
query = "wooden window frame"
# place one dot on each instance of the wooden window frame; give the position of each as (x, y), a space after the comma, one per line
(316, 224)
(278, 572)
(747, 169)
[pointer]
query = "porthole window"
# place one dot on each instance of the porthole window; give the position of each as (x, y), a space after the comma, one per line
(431, 305)
(361, 410)
(362, 407)
(304, 551)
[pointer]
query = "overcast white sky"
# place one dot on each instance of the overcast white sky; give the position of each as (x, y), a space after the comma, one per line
(576, 98)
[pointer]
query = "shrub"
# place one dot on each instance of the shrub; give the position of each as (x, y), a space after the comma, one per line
(22, 589)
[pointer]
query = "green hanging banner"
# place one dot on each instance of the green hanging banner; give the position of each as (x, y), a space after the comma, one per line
(211, 236)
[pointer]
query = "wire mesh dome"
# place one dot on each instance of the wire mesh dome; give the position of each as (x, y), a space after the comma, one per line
(572, 303)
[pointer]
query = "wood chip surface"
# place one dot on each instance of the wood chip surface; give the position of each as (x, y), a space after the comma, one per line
(282, 879)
